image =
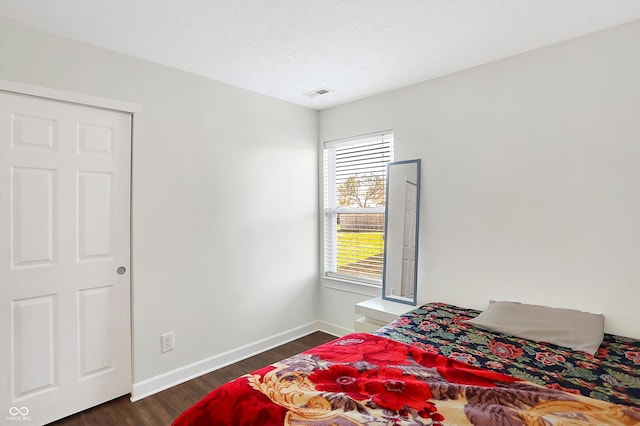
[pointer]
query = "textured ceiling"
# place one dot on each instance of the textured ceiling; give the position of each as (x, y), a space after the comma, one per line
(285, 48)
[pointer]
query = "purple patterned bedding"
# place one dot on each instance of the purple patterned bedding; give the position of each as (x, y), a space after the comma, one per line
(612, 375)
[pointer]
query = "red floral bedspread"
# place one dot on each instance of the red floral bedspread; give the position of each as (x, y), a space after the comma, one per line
(612, 375)
(363, 379)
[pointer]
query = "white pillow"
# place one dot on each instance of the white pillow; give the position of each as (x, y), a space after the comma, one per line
(580, 331)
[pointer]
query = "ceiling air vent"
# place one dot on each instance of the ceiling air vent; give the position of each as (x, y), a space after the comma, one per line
(318, 92)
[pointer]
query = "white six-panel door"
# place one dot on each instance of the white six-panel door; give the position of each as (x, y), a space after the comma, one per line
(65, 340)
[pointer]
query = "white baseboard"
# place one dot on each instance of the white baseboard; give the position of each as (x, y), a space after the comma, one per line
(334, 330)
(180, 375)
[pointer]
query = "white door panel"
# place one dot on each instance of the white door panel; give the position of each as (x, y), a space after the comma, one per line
(409, 239)
(94, 214)
(33, 326)
(64, 231)
(96, 344)
(32, 215)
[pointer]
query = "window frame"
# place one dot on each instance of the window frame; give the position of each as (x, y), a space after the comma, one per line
(330, 210)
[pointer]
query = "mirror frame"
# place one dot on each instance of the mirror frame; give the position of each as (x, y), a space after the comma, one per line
(407, 300)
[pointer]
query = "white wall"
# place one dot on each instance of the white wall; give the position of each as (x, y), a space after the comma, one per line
(224, 208)
(531, 180)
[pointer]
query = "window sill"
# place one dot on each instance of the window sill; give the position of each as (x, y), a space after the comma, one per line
(352, 286)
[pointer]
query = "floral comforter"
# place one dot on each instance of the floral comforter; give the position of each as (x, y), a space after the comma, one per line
(612, 375)
(365, 379)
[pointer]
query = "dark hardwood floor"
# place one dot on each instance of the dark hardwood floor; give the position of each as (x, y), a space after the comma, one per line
(163, 407)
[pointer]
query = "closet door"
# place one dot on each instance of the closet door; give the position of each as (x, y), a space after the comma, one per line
(64, 257)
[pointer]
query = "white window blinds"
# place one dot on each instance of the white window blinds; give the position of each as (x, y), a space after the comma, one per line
(355, 176)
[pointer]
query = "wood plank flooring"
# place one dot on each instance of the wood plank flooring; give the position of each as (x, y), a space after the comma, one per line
(163, 407)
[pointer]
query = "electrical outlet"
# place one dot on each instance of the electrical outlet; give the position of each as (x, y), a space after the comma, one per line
(167, 342)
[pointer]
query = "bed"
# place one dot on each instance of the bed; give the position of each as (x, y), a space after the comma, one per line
(431, 367)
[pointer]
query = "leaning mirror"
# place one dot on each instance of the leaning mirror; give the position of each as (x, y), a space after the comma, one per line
(401, 232)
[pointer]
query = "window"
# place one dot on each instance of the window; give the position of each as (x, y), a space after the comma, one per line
(355, 176)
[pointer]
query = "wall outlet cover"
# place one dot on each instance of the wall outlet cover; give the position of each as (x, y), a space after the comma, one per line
(167, 342)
